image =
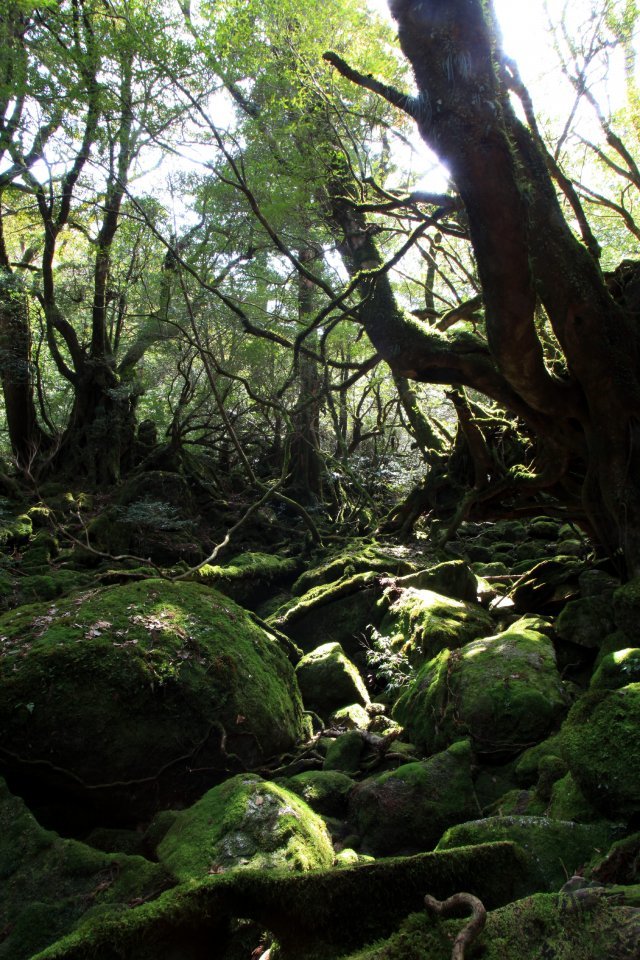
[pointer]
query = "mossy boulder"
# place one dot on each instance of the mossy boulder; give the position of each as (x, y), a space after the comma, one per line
(345, 753)
(567, 802)
(548, 584)
(555, 848)
(360, 557)
(502, 691)
(527, 766)
(590, 924)
(325, 791)
(249, 578)
(245, 822)
(421, 623)
(453, 578)
(47, 884)
(586, 621)
(340, 612)
(617, 669)
(117, 697)
(621, 864)
(406, 810)
(601, 745)
(328, 680)
(353, 717)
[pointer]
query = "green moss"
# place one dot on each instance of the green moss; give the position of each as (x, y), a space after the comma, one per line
(328, 680)
(15, 531)
(351, 717)
(245, 822)
(502, 691)
(528, 764)
(450, 579)
(408, 809)
(360, 557)
(590, 925)
(586, 621)
(517, 803)
(567, 802)
(421, 623)
(320, 913)
(48, 884)
(203, 687)
(344, 753)
(617, 669)
(626, 608)
(555, 848)
(325, 791)
(601, 745)
(248, 577)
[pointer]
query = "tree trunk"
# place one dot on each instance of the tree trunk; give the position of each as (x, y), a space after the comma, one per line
(25, 434)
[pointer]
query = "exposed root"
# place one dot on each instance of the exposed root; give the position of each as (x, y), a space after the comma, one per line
(451, 905)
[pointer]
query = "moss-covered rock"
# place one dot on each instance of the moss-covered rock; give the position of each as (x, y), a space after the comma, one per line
(344, 753)
(567, 802)
(118, 697)
(249, 577)
(321, 913)
(617, 669)
(406, 810)
(527, 766)
(503, 691)
(555, 848)
(421, 623)
(586, 621)
(591, 924)
(328, 680)
(245, 822)
(547, 583)
(48, 884)
(453, 578)
(325, 791)
(353, 717)
(601, 745)
(359, 557)
(621, 863)
(340, 612)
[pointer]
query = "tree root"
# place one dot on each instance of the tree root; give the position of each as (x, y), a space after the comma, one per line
(472, 929)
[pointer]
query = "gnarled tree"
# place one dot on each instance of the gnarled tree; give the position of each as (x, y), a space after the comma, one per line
(585, 416)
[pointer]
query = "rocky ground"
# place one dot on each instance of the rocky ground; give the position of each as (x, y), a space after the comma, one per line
(297, 748)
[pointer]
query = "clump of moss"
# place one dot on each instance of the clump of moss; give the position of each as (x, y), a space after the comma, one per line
(328, 680)
(245, 822)
(325, 791)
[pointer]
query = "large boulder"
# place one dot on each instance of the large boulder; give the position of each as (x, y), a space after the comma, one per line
(139, 696)
(601, 745)
(421, 623)
(406, 810)
(586, 621)
(502, 691)
(48, 885)
(245, 822)
(328, 680)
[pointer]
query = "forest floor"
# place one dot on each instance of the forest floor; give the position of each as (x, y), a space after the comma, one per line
(281, 753)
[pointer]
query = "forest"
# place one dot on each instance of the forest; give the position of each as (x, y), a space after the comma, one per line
(319, 480)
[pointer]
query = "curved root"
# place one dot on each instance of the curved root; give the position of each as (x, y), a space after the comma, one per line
(472, 929)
